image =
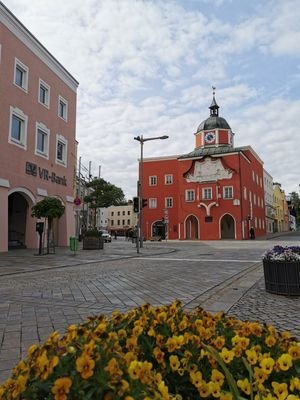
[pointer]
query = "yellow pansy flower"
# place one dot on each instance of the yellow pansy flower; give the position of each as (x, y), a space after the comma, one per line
(171, 344)
(294, 351)
(196, 378)
(227, 355)
(280, 389)
(204, 390)
(285, 362)
(295, 384)
(219, 342)
(61, 388)
(85, 366)
(267, 365)
(270, 340)
(174, 363)
(251, 356)
(217, 377)
(134, 370)
(259, 375)
(226, 396)
(244, 385)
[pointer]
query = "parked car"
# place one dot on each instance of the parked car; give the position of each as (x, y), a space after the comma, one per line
(106, 236)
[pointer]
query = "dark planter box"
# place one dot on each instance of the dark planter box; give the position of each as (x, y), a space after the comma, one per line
(92, 243)
(282, 277)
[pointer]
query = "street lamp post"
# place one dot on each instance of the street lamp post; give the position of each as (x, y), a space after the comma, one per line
(142, 140)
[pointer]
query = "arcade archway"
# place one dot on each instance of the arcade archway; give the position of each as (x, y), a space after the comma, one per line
(159, 229)
(191, 228)
(227, 227)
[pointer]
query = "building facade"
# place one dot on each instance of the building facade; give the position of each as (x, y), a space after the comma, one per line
(121, 219)
(269, 202)
(214, 192)
(37, 135)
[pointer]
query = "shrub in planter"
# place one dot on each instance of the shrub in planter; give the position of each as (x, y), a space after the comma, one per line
(160, 353)
(282, 270)
(92, 240)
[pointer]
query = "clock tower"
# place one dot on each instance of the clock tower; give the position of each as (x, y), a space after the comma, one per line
(214, 131)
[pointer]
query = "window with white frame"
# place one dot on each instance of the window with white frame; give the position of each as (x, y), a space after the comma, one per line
(61, 150)
(44, 93)
(169, 202)
(168, 179)
(228, 192)
(152, 180)
(18, 128)
(190, 195)
(152, 203)
(21, 75)
(62, 108)
(207, 193)
(42, 140)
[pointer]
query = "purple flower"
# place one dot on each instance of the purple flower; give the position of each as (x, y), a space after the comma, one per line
(280, 253)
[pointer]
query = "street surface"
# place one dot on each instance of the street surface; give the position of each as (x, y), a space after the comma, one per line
(39, 294)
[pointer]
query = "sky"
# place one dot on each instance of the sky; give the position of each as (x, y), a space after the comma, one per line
(147, 67)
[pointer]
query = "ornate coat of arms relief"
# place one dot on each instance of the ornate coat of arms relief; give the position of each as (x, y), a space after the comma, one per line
(209, 170)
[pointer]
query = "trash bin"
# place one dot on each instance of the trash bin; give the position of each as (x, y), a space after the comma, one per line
(73, 243)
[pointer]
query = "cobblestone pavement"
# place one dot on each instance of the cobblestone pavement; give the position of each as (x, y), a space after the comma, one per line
(42, 294)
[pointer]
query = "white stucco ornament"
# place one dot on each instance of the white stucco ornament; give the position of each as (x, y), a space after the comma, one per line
(209, 170)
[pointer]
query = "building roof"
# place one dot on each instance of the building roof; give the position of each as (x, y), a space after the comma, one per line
(210, 151)
(213, 123)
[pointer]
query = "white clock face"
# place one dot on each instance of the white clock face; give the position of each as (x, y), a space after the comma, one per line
(209, 137)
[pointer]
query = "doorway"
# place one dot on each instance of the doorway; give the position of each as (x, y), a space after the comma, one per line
(191, 228)
(227, 227)
(17, 219)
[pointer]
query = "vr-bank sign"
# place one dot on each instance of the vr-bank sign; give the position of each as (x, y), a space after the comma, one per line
(34, 170)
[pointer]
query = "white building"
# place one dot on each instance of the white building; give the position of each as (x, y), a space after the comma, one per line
(269, 202)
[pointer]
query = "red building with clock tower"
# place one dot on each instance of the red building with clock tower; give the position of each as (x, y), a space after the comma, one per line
(214, 192)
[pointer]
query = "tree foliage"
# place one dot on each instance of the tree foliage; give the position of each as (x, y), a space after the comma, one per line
(295, 202)
(104, 194)
(49, 207)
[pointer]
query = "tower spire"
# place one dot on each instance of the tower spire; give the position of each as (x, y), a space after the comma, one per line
(214, 108)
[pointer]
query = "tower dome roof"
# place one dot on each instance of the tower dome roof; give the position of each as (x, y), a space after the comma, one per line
(213, 121)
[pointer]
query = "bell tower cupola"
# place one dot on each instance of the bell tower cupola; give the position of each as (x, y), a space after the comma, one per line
(214, 131)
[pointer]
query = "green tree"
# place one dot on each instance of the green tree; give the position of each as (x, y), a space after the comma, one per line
(295, 202)
(103, 194)
(48, 208)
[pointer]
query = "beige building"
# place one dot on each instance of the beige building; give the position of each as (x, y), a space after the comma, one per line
(281, 209)
(121, 219)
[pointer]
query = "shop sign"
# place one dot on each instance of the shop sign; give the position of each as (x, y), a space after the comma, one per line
(42, 173)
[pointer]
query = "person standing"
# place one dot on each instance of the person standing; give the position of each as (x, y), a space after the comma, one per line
(252, 233)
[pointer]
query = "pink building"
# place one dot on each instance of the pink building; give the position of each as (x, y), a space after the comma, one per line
(37, 135)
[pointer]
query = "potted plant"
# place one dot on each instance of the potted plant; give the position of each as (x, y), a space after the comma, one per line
(92, 240)
(282, 270)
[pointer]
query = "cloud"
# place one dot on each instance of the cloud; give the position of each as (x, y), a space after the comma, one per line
(147, 67)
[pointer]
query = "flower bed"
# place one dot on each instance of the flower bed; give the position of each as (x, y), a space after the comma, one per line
(282, 270)
(160, 353)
